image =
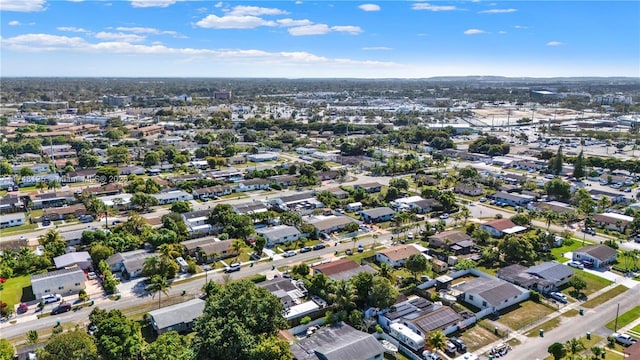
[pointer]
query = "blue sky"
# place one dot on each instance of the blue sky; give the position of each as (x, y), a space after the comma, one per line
(294, 39)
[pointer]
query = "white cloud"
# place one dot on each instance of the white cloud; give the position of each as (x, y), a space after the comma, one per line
(498, 11)
(315, 29)
(429, 7)
(242, 10)
(22, 5)
(152, 3)
(14, 23)
(298, 2)
(119, 37)
(521, 27)
(75, 0)
(146, 30)
(218, 4)
(233, 22)
(376, 48)
(555, 43)
(353, 30)
(72, 29)
(369, 7)
(291, 22)
(473, 32)
(502, 32)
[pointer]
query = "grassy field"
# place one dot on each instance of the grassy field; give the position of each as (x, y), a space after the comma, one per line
(602, 298)
(625, 318)
(546, 326)
(11, 292)
(17, 230)
(570, 313)
(518, 316)
(557, 252)
(588, 344)
(594, 283)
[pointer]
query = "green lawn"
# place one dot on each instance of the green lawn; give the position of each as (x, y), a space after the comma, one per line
(594, 283)
(491, 271)
(602, 298)
(17, 230)
(12, 290)
(546, 326)
(625, 318)
(518, 316)
(557, 252)
(626, 264)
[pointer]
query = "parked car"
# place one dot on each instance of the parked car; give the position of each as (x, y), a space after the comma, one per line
(444, 216)
(232, 267)
(46, 223)
(460, 345)
(306, 249)
(589, 231)
(428, 355)
(483, 199)
(92, 276)
(22, 308)
(62, 308)
(449, 348)
(86, 219)
(319, 246)
(289, 253)
(576, 264)
(48, 299)
(623, 339)
(360, 248)
(348, 252)
(559, 297)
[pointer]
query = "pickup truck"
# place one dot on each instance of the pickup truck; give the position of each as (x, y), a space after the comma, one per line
(623, 339)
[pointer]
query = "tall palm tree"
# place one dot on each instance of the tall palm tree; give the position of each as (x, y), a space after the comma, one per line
(385, 270)
(465, 213)
(158, 285)
(574, 347)
(604, 203)
(437, 340)
(236, 246)
(549, 216)
(343, 295)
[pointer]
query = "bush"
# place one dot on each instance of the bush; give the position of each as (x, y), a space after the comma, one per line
(378, 329)
(305, 320)
(535, 296)
(258, 278)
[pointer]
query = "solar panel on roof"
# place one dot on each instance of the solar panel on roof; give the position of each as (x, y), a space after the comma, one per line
(437, 319)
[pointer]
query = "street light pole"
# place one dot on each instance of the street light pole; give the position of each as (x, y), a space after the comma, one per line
(615, 326)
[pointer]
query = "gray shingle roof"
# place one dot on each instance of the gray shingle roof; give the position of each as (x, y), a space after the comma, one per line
(551, 271)
(337, 342)
(378, 212)
(494, 292)
(173, 315)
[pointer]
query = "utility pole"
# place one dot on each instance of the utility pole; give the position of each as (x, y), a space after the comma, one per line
(615, 326)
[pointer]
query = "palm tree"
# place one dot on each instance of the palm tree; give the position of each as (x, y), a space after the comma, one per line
(573, 347)
(150, 265)
(604, 203)
(158, 285)
(40, 185)
(465, 213)
(385, 270)
(343, 295)
(437, 340)
(598, 352)
(549, 216)
(236, 246)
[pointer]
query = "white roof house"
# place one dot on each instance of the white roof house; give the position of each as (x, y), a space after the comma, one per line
(125, 199)
(82, 259)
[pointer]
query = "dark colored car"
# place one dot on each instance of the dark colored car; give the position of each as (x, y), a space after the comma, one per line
(460, 345)
(319, 246)
(46, 223)
(62, 308)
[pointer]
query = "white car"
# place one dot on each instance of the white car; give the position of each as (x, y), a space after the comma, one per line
(289, 253)
(623, 339)
(233, 267)
(48, 299)
(559, 297)
(576, 264)
(444, 216)
(92, 276)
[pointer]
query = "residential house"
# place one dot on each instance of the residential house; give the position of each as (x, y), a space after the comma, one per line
(377, 215)
(553, 206)
(51, 199)
(236, 160)
(596, 256)
(500, 227)
(170, 197)
(104, 190)
(81, 259)
(64, 212)
(353, 207)
(73, 237)
(263, 157)
(212, 192)
(11, 220)
(209, 249)
(458, 242)
(342, 269)
(546, 277)
(148, 130)
(11, 203)
(287, 290)
(369, 188)
(284, 180)
(415, 204)
(512, 199)
(279, 234)
(249, 208)
(489, 293)
(7, 183)
(397, 255)
(328, 175)
(614, 198)
(131, 170)
(81, 175)
(196, 221)
(468, 189)
(120, 201)
(129, 263)
(329, 224)
(179, 317)
(253, 184)
(339, 193)
(64, 282)
(613, 221)
(339, 341)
